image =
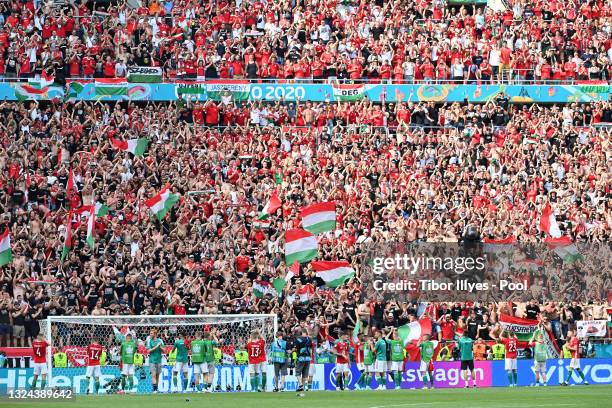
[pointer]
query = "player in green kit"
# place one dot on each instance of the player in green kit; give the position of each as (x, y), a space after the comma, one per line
(210, 342)
(427, 348)
(398, 353)
(466, 349)
(368, 363)
(380, 364)
(182, 361)
(540, 355)
(200, 367)
(127, 351)
(154, 347)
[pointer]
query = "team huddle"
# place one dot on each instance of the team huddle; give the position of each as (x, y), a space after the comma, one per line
(378, 358)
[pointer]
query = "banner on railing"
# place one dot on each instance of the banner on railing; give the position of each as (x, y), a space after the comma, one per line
(591, 328)
(145, 74)
(117, 90)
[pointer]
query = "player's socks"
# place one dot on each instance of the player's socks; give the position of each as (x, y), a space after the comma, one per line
(154, 387)
(431, 380)
(264, 381)
(130, 382)
(175, 382)
(184, 384)
(97, 386)
(34, 381)
(123, 382)
(398, 379)
(580, 373)
(509, 374)
(254, 383)
(425, 380)
(569, 375)
(515, 377)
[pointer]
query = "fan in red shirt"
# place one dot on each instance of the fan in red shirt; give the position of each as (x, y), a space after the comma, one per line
(94, 352)
(256, 349)
(573, 344)
(39, 347)
(511, 343)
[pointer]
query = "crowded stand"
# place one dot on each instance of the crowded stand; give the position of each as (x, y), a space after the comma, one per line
(408, 171)
(399, 41)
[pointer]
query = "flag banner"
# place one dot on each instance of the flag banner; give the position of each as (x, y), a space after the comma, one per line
(333, 273)
(414, 330)
(111, 87)
(525, 329)
(300, 246)
(6, 253)
(348, 92)
(548, 222)
(137, 147)
(591, 328)
(262, 288)
(499, 245)
(564, 248)
(271, 207)
(162, 202)
(233, 91)
(144, 74)
(320, 217)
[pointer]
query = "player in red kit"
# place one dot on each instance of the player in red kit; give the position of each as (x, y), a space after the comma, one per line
(39, 347)
(573, 344)
(511, 343)
(358, 344)
(341, 350)
(256, 349)
(94, 352)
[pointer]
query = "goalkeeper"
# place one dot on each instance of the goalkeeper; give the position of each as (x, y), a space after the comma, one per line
(128, 349)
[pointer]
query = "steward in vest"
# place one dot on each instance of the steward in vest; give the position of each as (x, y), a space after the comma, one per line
(241, 357)
(218, 356)
(172, 357)
(138, 360)
(60, 360)
(278, 356)
(498, 350)
(480, 350)
(444, 354)
(566, 351)
(103, 358)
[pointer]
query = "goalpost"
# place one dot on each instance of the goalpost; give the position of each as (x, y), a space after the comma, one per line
(72, 334)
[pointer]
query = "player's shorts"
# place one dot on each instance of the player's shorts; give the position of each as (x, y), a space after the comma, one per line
(280, 369)
(180, 366)
(312, 370)
(40, 368)
(127, 369)
(380, 366)
(467, 365)
(575, 363)
(361, 367)
(155, 368)
(510, 364)
(426, 366)
(93, 371)
(257, 368)
(369, 368)
(539, 366)
(211, 368)
(397, 366)
(200, 368)
(342, 368)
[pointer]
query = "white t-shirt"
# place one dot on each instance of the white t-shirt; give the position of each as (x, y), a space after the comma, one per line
(494, 57)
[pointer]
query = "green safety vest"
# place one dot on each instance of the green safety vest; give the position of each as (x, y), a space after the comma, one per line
(218, 355)
(138, 360)
(499, 350)
(440, 357)
(566, 352)
(294, 356)
(103, 358)
(60, 360)
(172, 357)
(241, 357)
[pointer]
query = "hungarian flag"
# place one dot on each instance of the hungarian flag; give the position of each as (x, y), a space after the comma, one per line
(300, 246)
(162, 202)
(67, 237)
(318, 218)
(414, 330)
(348, 92)
(137, 147)
(71, 186)
(280, 283)
(525, 329)
(261, 224)
(111, 87)
(91, 223)
(6, 254)
(262, 288)
(305, 293)
(548, 222)
(334, 273)
(499, 245)
(101, 209)
(43, 81)
(270, 208)
(564, 248)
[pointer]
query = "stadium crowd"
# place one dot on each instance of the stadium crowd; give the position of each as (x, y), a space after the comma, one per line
(430, 173)
(425, 40)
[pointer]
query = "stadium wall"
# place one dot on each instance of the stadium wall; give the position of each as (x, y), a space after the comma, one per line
(447, 375)
(202, 91)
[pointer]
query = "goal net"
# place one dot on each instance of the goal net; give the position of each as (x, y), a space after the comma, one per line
(70, 336)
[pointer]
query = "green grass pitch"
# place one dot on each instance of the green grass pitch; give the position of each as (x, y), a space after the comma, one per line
(593, 396)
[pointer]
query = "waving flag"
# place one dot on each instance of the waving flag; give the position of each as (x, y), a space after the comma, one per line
(67, 237)
(6, 253)
(101, 209)
(300, 246)
(564, 248)
(524, 330)
(499, 245)
(137, 147)
(548, 222)
(333, 273)
(263, 288)
(162, 202)
(318, 218)
(280, 283)
(414, 330)
(305, 293)
(91, 223)
(270, 208)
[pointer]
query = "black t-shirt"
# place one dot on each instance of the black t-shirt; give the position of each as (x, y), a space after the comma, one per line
(192, 309)
(472, 328)
(532, 312)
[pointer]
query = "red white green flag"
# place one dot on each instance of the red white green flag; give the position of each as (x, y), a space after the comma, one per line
(137, 147)
(162, 202)
(334, 273)
(6, 253)
(564, 248)
(320, 217)
(525, 329)
(548, 222)
(414, 330)
(270, 208)
(300, 246)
